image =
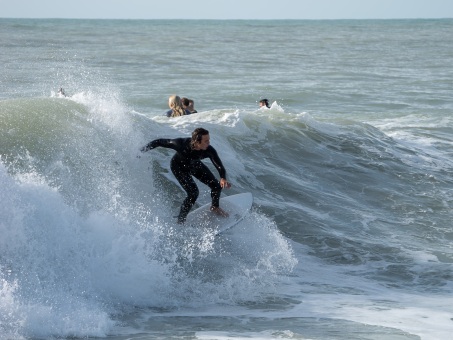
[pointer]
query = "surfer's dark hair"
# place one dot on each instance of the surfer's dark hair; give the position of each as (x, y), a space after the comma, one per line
(197, 135)
(265, 102)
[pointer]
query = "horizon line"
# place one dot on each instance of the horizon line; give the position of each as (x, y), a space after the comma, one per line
(231, 19)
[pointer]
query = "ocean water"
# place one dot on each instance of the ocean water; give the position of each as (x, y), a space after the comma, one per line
(350, 235)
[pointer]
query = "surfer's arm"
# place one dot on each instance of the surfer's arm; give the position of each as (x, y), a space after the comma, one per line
(215, 159)
(165, 143)
(151, 145)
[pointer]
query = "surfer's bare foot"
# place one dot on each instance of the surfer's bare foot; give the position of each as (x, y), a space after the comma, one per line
(219, 211)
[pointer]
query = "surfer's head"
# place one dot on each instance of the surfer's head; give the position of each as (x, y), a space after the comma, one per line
(200, 139)
(264, 102)
(185, 102)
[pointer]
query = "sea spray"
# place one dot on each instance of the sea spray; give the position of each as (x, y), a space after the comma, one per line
(90, 228)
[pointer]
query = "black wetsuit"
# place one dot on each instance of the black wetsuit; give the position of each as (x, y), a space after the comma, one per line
(170, 112)
(187, 163)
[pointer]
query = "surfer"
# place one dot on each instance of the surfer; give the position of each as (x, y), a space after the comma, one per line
(176, 107)
(61, 92)
(187, 163)
(185, 103)
(191, 107)
(264, 102)
(188, 104)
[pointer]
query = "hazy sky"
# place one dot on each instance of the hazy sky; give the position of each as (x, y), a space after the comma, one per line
(227, 9)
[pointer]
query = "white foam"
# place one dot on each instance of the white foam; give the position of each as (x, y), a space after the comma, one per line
(332, 292)
(76, 269)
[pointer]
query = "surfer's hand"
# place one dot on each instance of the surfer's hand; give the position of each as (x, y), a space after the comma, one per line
(144, 149)
(224, 183)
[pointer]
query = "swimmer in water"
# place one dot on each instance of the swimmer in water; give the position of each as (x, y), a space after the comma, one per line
(264, 103)
(61, 92)
(191, 107)
(176, 107)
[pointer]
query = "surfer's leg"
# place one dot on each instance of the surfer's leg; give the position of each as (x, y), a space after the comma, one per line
(204, 175)
(185, 179)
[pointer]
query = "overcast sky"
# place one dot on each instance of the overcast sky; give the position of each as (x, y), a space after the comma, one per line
(227, 9)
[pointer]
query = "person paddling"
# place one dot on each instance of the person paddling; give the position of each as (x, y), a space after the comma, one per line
(176, 107)
(264, 103)
(187, 163)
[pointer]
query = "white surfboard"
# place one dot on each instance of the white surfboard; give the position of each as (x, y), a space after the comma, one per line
(237, 206)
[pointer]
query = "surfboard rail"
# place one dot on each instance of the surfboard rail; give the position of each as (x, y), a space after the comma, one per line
(237, 206)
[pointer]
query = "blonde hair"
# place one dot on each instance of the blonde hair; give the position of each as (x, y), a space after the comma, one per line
(175, 105)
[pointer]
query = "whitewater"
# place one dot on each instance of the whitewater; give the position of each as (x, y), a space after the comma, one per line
(350, 235)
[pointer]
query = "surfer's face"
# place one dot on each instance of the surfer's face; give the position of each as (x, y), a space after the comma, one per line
(203, 144)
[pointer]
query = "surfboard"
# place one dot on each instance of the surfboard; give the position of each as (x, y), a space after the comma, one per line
(237, 206)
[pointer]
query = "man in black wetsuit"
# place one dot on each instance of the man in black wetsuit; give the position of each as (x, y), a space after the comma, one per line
(187, 163)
